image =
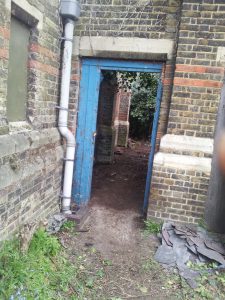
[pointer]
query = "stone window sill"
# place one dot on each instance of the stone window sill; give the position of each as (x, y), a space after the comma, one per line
(21, 126)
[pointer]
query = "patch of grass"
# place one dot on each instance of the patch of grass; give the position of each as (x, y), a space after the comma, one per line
(44, 272)
(152, 226)
(150, 265)
(44, 244)
(68, 226)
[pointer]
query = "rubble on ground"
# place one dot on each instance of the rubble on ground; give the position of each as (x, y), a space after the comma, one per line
(185, 245)
(55, 222)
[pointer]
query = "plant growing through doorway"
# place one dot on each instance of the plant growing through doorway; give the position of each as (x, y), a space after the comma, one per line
(143, 88)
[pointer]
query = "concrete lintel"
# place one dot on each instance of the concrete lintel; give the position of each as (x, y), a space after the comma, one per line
(30, 9)
(183, 162)
(124, 48)
(186, 143)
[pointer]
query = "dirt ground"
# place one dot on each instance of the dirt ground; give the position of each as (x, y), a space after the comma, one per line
(113, 250)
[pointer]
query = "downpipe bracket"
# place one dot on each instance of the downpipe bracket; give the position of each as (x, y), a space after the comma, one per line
(67, 159)
(66, 39)
(62, 108)
(64, 197)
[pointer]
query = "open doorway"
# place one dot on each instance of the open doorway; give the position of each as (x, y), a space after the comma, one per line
(96, 72)
(126, 107)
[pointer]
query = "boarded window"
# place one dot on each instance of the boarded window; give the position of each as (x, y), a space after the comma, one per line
(17, 73)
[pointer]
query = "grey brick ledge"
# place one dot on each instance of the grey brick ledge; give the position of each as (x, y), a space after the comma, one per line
(35, 165)
(183, 162)
(187, 145)
(20, 142)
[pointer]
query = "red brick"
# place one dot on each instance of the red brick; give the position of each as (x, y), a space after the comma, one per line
(4, 32)
(196, 82)
(75, 77)
(43, 67)
(199, 69)
(4, 53)
(43, 51)
(167, 81)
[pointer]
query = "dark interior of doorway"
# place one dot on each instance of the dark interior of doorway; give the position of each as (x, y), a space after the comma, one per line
(122, 145)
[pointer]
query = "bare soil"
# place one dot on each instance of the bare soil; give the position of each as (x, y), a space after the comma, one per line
(113, 249)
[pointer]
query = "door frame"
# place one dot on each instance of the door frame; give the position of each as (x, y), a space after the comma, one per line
(87, 117)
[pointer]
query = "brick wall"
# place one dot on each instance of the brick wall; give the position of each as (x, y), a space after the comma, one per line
(199, 75)
(30, 155)
(105, 139)
(4, 45)
(121, 118)
(179, 190)
(178, 193)
(157, 19)
(129, 18)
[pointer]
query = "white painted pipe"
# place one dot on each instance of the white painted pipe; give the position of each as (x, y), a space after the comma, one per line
(63, 117)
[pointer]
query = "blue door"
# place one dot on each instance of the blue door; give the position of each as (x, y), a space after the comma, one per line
(86, 122)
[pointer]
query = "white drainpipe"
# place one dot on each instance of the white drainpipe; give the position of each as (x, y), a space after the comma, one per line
(70, 12)
(63, 116)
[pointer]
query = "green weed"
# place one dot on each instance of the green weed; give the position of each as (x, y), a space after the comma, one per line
(150, 265)
(107, 262)
(68, 226)
(201, 266)
(211, 285)
(152, 226)
(44, 244)
(43, 273)
(100, 273)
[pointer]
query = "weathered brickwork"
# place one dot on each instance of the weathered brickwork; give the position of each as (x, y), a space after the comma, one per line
(158, 19)
(105, 138)
(121, 117)
(4, 53)
(178, 194)
(124, 106)
(31, 155)
(155, 20)
(31, 151)
(74, 93)
(129, 18)
(31, 179)
(199, 74)
(122, 135)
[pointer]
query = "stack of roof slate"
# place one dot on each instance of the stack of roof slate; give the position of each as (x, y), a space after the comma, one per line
(186, 243)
